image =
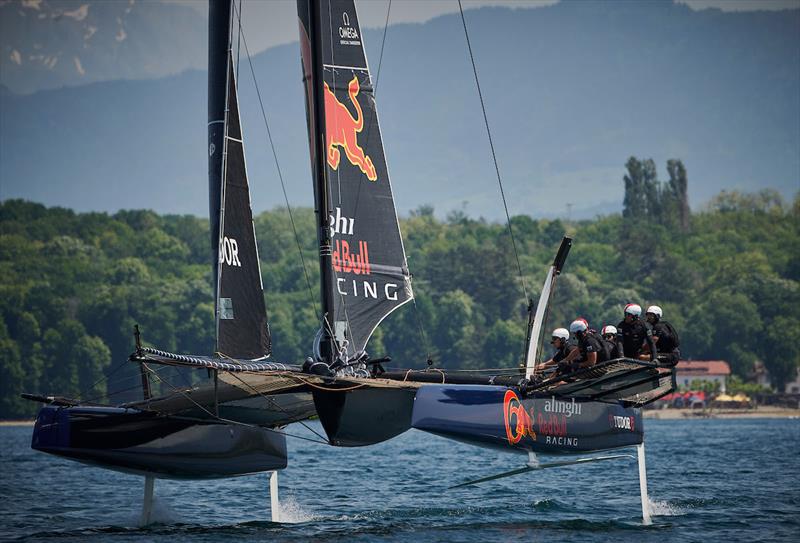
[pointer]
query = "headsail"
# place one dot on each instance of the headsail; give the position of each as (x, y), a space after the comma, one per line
(241, 316)
(370, 276)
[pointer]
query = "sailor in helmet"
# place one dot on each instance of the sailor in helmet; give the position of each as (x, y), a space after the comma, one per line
(590, 351)
(664, 335)
(610, 342)
(633, 333)
(560, 342)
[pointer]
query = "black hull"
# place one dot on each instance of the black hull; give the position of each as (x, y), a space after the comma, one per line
(145, 443)
(363, 416)
(498, 417)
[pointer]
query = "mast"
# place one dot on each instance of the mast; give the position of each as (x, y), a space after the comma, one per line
(316, 113)
(536, 321)
(219, 22)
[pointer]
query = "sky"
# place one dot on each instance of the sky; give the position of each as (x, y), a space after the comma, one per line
(732, 132)
(372, 13)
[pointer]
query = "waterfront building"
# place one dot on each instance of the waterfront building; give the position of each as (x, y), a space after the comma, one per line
(710, 371)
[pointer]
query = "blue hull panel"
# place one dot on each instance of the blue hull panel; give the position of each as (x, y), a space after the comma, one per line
(498, 417)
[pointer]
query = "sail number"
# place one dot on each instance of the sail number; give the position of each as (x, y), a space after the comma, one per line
(229, 252)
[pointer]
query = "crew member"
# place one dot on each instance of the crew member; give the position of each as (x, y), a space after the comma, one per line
(589, 351)
(633, 333)
(560, 342)
(612, 346)
(665, 336)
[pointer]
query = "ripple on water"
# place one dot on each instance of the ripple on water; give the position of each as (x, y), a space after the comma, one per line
(326, 496)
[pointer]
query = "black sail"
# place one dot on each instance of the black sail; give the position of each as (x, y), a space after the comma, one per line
(370, 276)
(241, 316)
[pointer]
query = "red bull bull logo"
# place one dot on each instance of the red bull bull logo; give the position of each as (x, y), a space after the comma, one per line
(342, 131)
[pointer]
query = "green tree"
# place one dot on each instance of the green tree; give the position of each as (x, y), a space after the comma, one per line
(499, 346)
(11, 385)
(90, 356)
(455, 333)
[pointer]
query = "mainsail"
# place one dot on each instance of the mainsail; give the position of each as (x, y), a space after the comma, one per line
(363, 260)
(241, 315)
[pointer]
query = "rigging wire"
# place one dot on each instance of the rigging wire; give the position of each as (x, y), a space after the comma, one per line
(105, 377)
(494, 155)
(239, 38)
(380, 57)
(275, 404)
(223, 419)
(278, 168)
(426, 345)
(417, 313)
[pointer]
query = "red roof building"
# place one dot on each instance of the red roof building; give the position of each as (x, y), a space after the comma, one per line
(714, 371)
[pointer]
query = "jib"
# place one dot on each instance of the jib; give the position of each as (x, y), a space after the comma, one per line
(229, 252)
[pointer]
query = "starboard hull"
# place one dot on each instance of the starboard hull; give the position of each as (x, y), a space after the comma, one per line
(499, 417)
(146, 443)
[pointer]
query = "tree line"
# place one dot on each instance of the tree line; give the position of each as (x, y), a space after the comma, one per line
(72, 285)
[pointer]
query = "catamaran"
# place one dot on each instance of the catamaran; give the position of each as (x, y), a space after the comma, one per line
(235, 424)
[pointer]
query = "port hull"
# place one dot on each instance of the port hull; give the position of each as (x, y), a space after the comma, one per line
(146, 443)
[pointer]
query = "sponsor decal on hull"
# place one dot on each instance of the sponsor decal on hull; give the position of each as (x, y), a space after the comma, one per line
(551, 424)
(622, 423)
(558, 406)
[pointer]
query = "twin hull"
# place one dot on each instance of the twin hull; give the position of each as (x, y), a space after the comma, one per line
(141, 442)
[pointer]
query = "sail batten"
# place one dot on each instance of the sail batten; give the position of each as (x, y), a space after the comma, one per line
(370, 276)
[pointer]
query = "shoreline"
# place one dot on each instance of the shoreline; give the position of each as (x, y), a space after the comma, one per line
(759, 412)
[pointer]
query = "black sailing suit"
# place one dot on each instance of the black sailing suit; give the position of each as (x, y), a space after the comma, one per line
(612, 348)
(668, 342)
(633, 335)
(588, 343)
(561, 354)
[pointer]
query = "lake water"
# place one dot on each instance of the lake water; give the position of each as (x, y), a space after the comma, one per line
(710, 480)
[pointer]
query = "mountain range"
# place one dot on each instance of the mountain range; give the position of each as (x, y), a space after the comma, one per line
(48, 44)
(571, 91)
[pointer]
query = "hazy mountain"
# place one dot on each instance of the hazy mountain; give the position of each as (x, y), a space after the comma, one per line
(571, 90)
(52, 43)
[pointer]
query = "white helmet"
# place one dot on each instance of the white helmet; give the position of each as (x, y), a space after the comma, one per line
(633, 309)
(655, 310)
(608, 329)
(561, 333)
(578, 325)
